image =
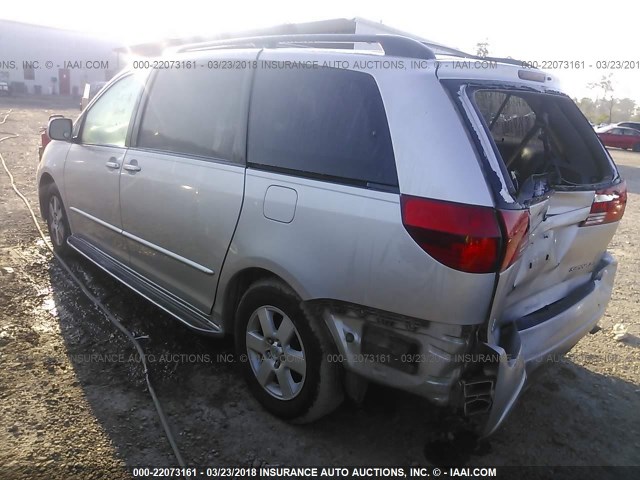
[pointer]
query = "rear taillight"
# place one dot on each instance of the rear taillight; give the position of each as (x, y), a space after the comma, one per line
(468, 238)
(608, 205)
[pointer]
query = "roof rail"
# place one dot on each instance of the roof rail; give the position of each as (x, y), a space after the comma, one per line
(394, 45)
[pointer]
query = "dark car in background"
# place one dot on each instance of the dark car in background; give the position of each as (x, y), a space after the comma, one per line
(620, 137)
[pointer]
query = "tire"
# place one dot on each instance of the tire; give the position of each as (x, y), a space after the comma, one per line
(636, 147)
(57, 221)
(283, 345)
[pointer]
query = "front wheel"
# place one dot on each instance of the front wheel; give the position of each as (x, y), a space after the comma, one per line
(284, 354)
(57, 222)
(636, 147)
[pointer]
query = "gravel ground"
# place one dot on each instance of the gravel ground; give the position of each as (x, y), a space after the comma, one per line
(73, 401)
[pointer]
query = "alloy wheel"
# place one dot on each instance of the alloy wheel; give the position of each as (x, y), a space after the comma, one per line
(276, 353)
(56, 220)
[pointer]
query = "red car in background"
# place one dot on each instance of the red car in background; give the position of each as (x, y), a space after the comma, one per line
(44, 137)
(620, 137)
(44, 140)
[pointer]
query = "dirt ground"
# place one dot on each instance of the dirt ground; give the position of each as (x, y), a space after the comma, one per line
(73, 397)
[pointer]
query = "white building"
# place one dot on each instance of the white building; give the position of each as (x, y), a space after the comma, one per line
(39, 59)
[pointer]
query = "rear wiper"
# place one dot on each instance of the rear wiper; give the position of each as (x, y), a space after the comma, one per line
(498, 112)
(548, 155)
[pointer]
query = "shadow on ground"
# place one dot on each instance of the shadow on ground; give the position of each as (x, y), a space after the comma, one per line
(571, 416)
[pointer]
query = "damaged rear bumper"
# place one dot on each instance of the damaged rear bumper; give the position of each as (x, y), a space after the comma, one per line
(539, 338)
(439, 362)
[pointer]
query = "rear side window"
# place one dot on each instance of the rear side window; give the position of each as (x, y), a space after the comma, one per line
(194, 112)
(325, 123)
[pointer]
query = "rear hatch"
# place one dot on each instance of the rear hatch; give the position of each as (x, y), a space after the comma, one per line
(544, 163)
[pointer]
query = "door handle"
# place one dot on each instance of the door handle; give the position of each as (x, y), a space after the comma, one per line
(132, 166)
(112, 163)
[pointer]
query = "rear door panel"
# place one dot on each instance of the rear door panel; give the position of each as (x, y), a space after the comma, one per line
(178, 217)
(182, 181)
(561, 255)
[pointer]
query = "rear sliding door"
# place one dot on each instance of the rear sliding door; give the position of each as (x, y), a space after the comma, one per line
(182, 182)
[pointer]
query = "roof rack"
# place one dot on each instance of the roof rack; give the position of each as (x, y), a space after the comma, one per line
(393, 45)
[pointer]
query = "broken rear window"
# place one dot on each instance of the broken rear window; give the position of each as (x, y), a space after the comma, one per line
(543, 140)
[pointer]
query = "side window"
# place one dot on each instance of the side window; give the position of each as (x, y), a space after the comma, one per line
(108, 120)
(194, 112)
(327, 122)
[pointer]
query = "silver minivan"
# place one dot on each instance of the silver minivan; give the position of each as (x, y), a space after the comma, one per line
(405, 215)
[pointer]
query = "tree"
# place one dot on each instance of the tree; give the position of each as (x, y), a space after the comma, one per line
(588, 107)
(605, 87)
(625, 109)
(482, 49)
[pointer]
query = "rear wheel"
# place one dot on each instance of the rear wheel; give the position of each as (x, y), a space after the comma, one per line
(57, 222)
(284, 354)
(636, 147)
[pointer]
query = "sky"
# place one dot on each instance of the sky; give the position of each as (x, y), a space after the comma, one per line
(533, 31)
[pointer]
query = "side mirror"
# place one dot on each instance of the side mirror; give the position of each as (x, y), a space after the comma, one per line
(60, 129)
